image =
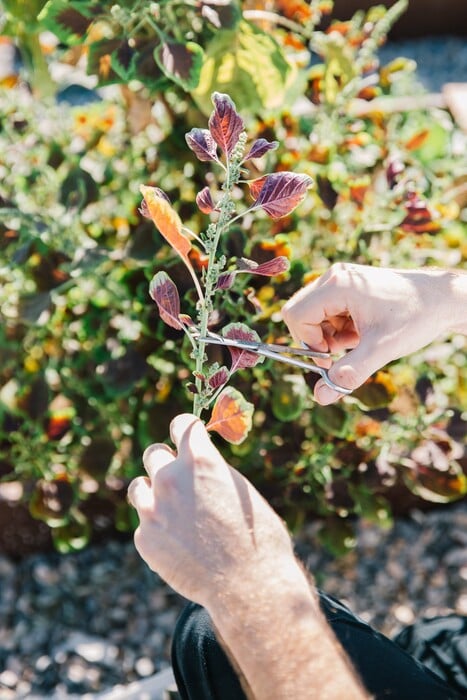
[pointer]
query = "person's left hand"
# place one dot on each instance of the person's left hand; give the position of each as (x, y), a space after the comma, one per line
(203, 526)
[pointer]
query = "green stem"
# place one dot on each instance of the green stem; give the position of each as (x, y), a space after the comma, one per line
(222, 222)
(38, 71)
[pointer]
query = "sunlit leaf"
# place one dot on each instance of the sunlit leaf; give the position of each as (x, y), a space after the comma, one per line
(436, 486)
(168, 222)
(281, 193)
(181, 63)
(231, 416)
(202, 144)
(225, 124)
(260, 147)
(204, 201)
(164, 292)
(249, 65)
(242, 358)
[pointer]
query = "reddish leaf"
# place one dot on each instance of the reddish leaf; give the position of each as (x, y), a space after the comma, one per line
(275, 266)
(225, 124)
(257, 185)
(168, 222)
(204, 201)
(282, 192)
(219, 378)
(186, 320)
(202, 144)
(166, 219)
(242, 358)
(260, 147)
(231, 416)
(164, 292)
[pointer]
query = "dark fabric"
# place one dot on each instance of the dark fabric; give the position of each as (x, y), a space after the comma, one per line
(441, 645)
(203, 672)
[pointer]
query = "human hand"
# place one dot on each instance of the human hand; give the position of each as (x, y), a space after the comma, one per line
(203, 527)
(378, 314)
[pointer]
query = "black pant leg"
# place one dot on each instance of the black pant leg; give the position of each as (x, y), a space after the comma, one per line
(203, 672)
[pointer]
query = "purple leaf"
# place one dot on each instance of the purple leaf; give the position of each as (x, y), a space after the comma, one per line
(260, 147)
(270, 268)
(204, 201)
(164, 292)
(281, 193)
(225, 124)
(226, 280)
(219, 378)
(242, 358)
(202, 144)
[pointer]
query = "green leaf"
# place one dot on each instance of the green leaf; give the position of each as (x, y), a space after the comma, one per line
(78, 189)
(376, 392)
(338, 536)
(332, 420)
(249, 66)
(67, 19)
(181, 63)
(74, 535)
(288, 399)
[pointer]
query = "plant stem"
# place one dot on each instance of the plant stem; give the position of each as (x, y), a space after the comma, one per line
(211, 279)
(38, 71)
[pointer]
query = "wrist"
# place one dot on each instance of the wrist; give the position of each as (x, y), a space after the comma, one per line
(261, 591)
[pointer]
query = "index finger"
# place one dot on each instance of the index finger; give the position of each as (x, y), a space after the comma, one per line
(157, 456)
(191, 438)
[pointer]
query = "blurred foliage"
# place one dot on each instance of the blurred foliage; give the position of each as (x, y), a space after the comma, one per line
(89, 376)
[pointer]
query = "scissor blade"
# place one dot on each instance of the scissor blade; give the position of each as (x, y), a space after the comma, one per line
(249, 345)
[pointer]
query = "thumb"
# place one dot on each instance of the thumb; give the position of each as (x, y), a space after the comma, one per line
(351, 370)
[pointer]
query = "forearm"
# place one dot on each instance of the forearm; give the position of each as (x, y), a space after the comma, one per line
(277, 636)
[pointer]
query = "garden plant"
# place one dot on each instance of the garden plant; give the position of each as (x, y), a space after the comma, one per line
(102, 98)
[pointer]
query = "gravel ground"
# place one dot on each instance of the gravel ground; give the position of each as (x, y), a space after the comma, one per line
(77, 625)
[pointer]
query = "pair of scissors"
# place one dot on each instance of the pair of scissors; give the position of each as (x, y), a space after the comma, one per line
(280, 353)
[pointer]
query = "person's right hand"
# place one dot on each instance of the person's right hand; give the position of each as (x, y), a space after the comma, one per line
(378, 314)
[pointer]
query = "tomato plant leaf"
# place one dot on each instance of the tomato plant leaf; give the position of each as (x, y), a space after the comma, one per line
(201, 142)
(164, 292)
(181, 63)
(242, 358)
(225, 124)
(260, 147)
(204, 201)
(281, 193)
(231, 416)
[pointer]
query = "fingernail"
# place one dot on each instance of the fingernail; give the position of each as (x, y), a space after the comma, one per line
(325, 394)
